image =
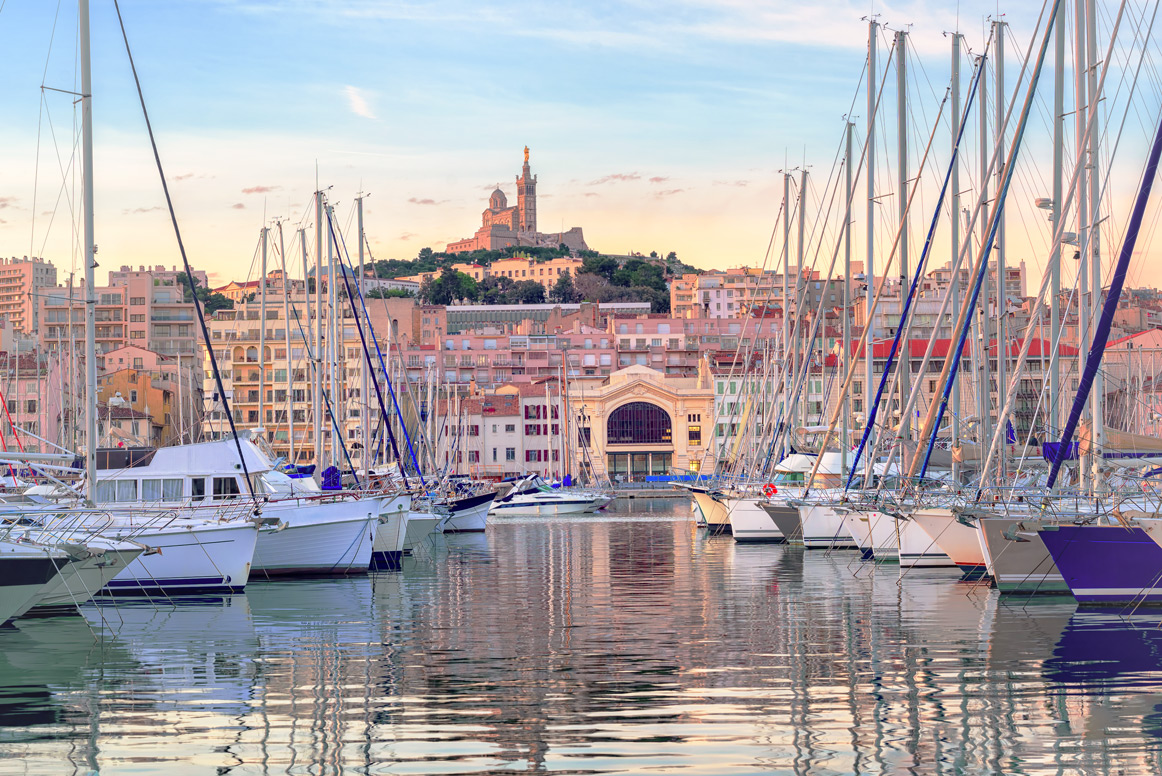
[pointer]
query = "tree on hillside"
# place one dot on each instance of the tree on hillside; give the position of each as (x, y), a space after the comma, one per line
(449, 287)
(528, 292)
(563, 291)
(603, 266)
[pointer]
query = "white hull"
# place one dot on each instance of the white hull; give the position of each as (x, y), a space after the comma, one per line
(28, 571)
(857, 525)
(535, 506)
(823, 527)
(918, 550)
(420, 526)
(750, 523)
(471, 520)
(317, 538)
(714, 512)
(959, 542)
(390, 533)
(885, 537)
(193, 558)
(1018, 567)
(82, 580)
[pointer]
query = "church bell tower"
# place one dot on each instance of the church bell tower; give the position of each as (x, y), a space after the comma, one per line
(526, 197)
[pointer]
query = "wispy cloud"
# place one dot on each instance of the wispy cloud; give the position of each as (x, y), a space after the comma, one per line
(591, 194)
(260, 189)
(659, 179)
(668, 193)
(6, 202)
(238, 206)
(357, 102)
(406, 236)
(185, 176)
(738, 184)
(136, 210)
(617, 177)
(426, 201)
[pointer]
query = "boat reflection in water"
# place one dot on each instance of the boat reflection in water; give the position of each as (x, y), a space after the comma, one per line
(1105, 670)
(627, 644)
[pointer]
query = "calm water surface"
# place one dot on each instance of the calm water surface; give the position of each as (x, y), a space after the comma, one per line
(627, 643)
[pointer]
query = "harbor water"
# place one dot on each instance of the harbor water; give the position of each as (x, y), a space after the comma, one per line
(626, 642)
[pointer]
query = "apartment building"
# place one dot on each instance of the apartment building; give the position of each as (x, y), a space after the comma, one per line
(21, 281)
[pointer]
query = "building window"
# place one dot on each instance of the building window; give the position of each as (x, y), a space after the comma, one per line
(638, 423)
(510, 453)
(694, 435)
(133, 396)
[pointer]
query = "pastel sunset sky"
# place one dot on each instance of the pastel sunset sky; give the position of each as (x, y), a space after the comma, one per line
(653, 125)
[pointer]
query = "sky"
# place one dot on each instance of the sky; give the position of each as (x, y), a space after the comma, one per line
(653, 125)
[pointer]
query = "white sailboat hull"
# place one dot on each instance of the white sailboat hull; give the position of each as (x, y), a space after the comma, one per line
(749, 522)
(317, 538)
(194, 558)
(857, 524)
(390, 533)
(714, 513)
(917, 549)
(80, 581)
(419, 526)
(823, 527)
(959, 542)
(885, 539)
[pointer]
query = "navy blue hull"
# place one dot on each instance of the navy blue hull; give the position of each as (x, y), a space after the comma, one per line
(1107, 564)
(386, 561)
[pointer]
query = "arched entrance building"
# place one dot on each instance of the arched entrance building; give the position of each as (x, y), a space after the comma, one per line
(642, 423)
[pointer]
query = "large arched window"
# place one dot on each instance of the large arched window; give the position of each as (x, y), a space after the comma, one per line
(639, 423)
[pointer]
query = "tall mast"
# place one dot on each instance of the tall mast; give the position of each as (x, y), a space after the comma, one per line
(290, 366)
(787, 360)
(262, 333)
(869, 270)
(954, 228)
(805, 357)
(1001, 284)
(904, 366)
(1097, 395)
(316, 372)
(90, 254)
(335, 346)
(844, 439)
(1081, 197)
(980, 356)
(1054, 412)
(364, 406)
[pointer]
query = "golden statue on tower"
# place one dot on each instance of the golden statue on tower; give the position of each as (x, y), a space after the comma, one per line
(526, 154)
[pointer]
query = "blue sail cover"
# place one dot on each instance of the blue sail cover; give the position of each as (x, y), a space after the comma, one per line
(1049, 451)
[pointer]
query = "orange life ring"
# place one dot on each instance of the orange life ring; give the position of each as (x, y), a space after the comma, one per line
(769, 490)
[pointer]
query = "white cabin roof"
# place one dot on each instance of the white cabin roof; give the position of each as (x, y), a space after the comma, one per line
(199, 459)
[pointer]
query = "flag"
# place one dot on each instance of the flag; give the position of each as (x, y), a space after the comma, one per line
(1010, 433)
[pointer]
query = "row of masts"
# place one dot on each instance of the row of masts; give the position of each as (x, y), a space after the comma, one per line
(1001, 127)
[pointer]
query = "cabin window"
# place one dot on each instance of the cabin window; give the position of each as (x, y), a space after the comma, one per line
(171, 490)
(151, 490)
(226, 487)
(126, 490)
(198, 488)
(106, 492)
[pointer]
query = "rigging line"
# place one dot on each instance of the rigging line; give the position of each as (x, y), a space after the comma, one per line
(387, 379)
(366, 352)
(185, 261)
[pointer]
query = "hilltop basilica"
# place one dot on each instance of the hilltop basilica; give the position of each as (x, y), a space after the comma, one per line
(502, 226)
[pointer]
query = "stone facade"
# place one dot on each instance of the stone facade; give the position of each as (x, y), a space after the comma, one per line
(676, 435)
